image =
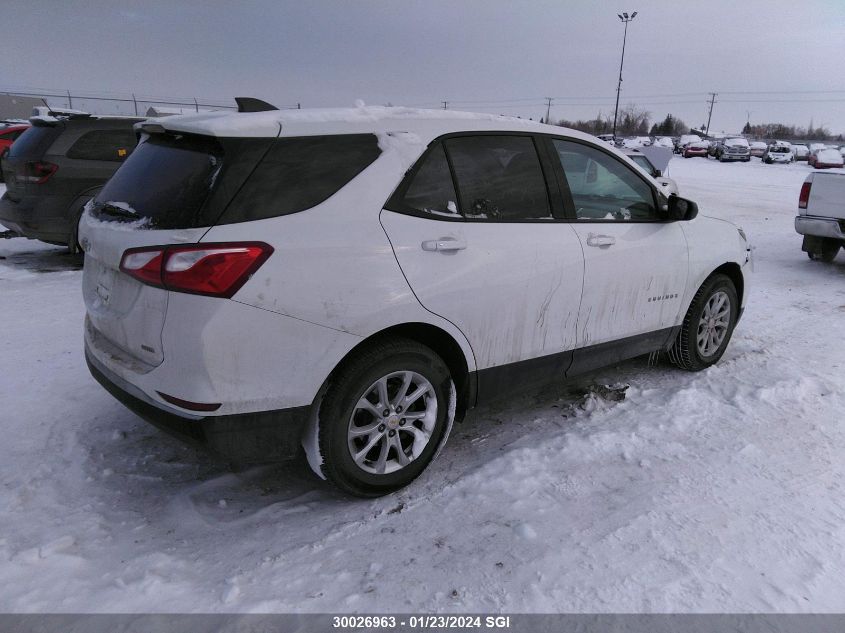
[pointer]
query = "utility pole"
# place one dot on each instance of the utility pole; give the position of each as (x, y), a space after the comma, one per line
(710, 113)
(445, 105)
(69, 101)
(548, 108)
(624, 17)
(135, 103)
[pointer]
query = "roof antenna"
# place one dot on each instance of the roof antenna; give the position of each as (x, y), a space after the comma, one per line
(251, 104)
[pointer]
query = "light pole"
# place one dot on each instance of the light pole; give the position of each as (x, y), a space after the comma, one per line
(624, 17)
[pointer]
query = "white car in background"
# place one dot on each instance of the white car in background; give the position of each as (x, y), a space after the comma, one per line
(778, 153)
(801, 151)
(668, 185)
(354, 280)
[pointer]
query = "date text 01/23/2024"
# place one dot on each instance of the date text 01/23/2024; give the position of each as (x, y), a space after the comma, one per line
(422, 622)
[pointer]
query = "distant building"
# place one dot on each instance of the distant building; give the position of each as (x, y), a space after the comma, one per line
(15, 107)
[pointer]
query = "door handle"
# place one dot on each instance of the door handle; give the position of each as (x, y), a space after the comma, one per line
(444, 244)
(600, 240)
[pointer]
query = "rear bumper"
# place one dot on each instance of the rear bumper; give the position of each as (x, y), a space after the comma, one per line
(820, 227)
(245, 438)
(42, 218)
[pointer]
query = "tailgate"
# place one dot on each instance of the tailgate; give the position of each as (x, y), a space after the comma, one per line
(827, 196)
(127, 313)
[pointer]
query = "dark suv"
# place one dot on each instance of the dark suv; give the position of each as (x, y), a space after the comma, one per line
(55, 167)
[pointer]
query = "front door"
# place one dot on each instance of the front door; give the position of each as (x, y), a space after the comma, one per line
(636, 262)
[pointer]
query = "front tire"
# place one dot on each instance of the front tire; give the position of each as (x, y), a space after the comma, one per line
(384, 416)
(708, 325)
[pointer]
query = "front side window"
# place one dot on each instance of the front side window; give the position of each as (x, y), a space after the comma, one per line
(499, 178)
(111, 145)
(603, 188)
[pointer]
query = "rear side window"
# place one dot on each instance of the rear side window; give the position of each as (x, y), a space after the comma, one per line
(432, 190)
(499, 178)
(165, 181)
(299, 173)
(34, 142)
(112, 145)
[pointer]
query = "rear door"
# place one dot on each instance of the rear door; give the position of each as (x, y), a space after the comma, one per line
(481, 247)
(636, 263)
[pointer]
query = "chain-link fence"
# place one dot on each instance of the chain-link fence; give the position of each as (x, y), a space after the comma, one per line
(121, 104)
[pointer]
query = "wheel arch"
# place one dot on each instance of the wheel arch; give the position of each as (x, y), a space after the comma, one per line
(733, 272)
(442, 343)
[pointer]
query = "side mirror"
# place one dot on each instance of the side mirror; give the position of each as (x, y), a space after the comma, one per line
(681, 208)
(657, 173)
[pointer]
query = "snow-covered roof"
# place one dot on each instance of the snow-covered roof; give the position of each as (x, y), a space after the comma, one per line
(363, 119)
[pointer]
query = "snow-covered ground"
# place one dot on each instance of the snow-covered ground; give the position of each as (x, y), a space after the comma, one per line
(710, 492)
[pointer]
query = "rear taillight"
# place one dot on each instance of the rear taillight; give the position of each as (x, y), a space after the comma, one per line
(38, 172)
(804, 196)
(214, 270)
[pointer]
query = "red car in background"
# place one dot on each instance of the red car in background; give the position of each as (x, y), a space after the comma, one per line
(825, 158)
(8, 134)
(696, 148)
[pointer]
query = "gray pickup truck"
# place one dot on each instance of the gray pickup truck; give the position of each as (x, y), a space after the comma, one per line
(821, 215)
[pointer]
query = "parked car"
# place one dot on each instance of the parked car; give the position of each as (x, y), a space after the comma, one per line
(669, 186)
(712, 146)
(733, 149)
(801, 151)
(685, 140)
(825, 158)
(607, 138)
(757, 148)
(357, 279)
(821, 215)
(778, 153)
(8, 134)
(696, 148)
(55, 167)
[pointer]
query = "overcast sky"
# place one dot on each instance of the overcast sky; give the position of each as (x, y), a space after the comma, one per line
(781, 60)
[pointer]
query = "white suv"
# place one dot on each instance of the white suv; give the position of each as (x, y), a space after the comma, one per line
(352, 281)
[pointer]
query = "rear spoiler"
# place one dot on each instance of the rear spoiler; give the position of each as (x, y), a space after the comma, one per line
(251, 104)
(45, 116)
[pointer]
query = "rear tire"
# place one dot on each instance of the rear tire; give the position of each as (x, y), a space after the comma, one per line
(352, 417)
(707, 326)
(827, 252)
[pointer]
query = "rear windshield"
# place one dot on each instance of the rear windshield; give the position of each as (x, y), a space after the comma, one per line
(164, 182)
(35, 142)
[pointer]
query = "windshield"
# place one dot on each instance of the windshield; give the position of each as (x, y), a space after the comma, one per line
(642, 161)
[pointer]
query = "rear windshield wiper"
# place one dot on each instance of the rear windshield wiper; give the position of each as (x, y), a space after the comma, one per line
(116, 211)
